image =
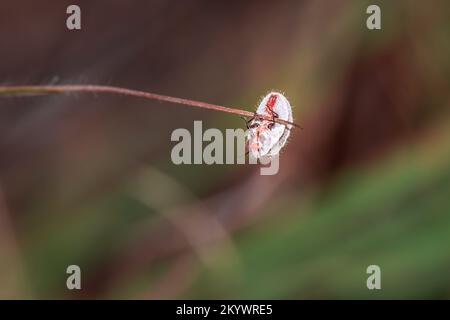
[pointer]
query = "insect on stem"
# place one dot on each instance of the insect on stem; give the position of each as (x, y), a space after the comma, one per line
(64, 89)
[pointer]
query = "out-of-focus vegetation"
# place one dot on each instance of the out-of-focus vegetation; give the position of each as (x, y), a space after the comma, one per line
(88, 180)
(394, 215)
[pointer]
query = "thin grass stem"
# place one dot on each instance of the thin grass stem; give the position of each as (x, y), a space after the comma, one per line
(64, 89)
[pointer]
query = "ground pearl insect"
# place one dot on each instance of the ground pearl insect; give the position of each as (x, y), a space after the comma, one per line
(265, 137)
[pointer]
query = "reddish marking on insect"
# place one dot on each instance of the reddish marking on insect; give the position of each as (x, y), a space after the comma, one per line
(271, 102)
(269, 108)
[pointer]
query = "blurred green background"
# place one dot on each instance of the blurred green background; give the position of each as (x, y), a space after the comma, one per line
(88, 180)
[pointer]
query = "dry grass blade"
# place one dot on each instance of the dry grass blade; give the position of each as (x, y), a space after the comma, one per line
(61, 89)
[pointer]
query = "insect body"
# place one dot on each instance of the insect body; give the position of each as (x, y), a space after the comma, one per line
(267, 137)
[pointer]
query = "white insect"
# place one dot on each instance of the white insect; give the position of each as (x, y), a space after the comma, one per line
(266, 137)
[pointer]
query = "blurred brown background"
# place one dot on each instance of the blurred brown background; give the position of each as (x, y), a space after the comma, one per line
(87, 179)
